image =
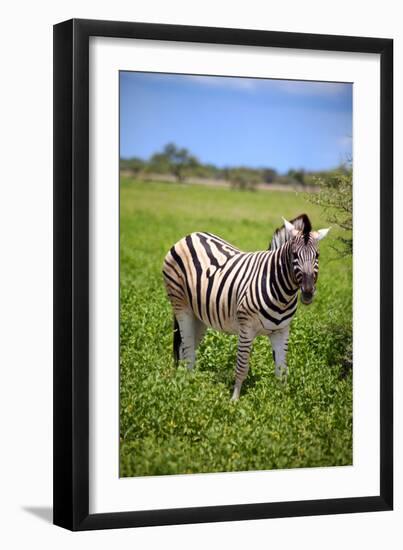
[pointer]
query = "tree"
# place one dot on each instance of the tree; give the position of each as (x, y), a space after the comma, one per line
(175, 160)
(336, 199)
(207, 171)
(134, 165)
(269, 175)
(243, 178)
(297, 175)
(159, 164)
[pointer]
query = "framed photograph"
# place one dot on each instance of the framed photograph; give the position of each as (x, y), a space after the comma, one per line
(223, 303)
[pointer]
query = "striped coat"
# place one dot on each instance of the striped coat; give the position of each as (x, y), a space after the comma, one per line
(211, 283)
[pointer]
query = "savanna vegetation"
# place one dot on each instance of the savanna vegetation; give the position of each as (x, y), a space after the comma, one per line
(173, 421)
(182, 165)
(335, 197)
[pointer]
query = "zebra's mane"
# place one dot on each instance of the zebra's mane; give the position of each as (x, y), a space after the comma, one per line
(280, 236)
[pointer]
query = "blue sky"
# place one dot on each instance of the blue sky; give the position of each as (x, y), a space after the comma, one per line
(230, 121)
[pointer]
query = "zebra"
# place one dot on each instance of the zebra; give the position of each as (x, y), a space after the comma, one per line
(211, 283)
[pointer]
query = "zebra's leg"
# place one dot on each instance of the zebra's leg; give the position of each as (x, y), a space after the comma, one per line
(188, 328)
(245, 340)
(279, 342)
(200, 331)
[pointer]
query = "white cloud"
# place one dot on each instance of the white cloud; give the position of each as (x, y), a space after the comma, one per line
(225, 82)
(292, 87)
(300, 87)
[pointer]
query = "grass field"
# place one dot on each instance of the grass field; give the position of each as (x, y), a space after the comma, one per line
(173, 421)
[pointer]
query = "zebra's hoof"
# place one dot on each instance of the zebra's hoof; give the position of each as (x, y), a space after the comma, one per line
(235, 395)
(282, 380)
(281, 375)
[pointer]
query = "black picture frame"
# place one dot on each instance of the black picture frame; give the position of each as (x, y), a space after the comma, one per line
(71, 274)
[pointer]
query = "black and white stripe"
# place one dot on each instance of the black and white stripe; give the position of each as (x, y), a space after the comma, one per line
(211, 283)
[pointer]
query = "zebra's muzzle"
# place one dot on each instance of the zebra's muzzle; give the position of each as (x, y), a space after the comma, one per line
(307, 285)
(306, 297)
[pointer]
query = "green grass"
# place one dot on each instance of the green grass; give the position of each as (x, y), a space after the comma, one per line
(173, 421)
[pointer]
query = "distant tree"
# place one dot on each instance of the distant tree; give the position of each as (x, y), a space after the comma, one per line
(159, 164)
(174, 160)
(297, 175)
(269, 175)
(244, 178)
(134, 165)
(225, 173)
(208, 171)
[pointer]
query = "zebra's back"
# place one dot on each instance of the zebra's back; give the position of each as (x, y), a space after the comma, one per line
(204, 273)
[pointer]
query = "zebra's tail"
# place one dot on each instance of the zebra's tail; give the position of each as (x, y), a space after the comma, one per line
(177, 340)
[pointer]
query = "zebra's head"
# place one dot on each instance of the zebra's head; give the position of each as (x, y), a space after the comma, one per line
(304, 257)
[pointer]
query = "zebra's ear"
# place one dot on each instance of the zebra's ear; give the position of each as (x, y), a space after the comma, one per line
(321, 233)
(290, 228)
